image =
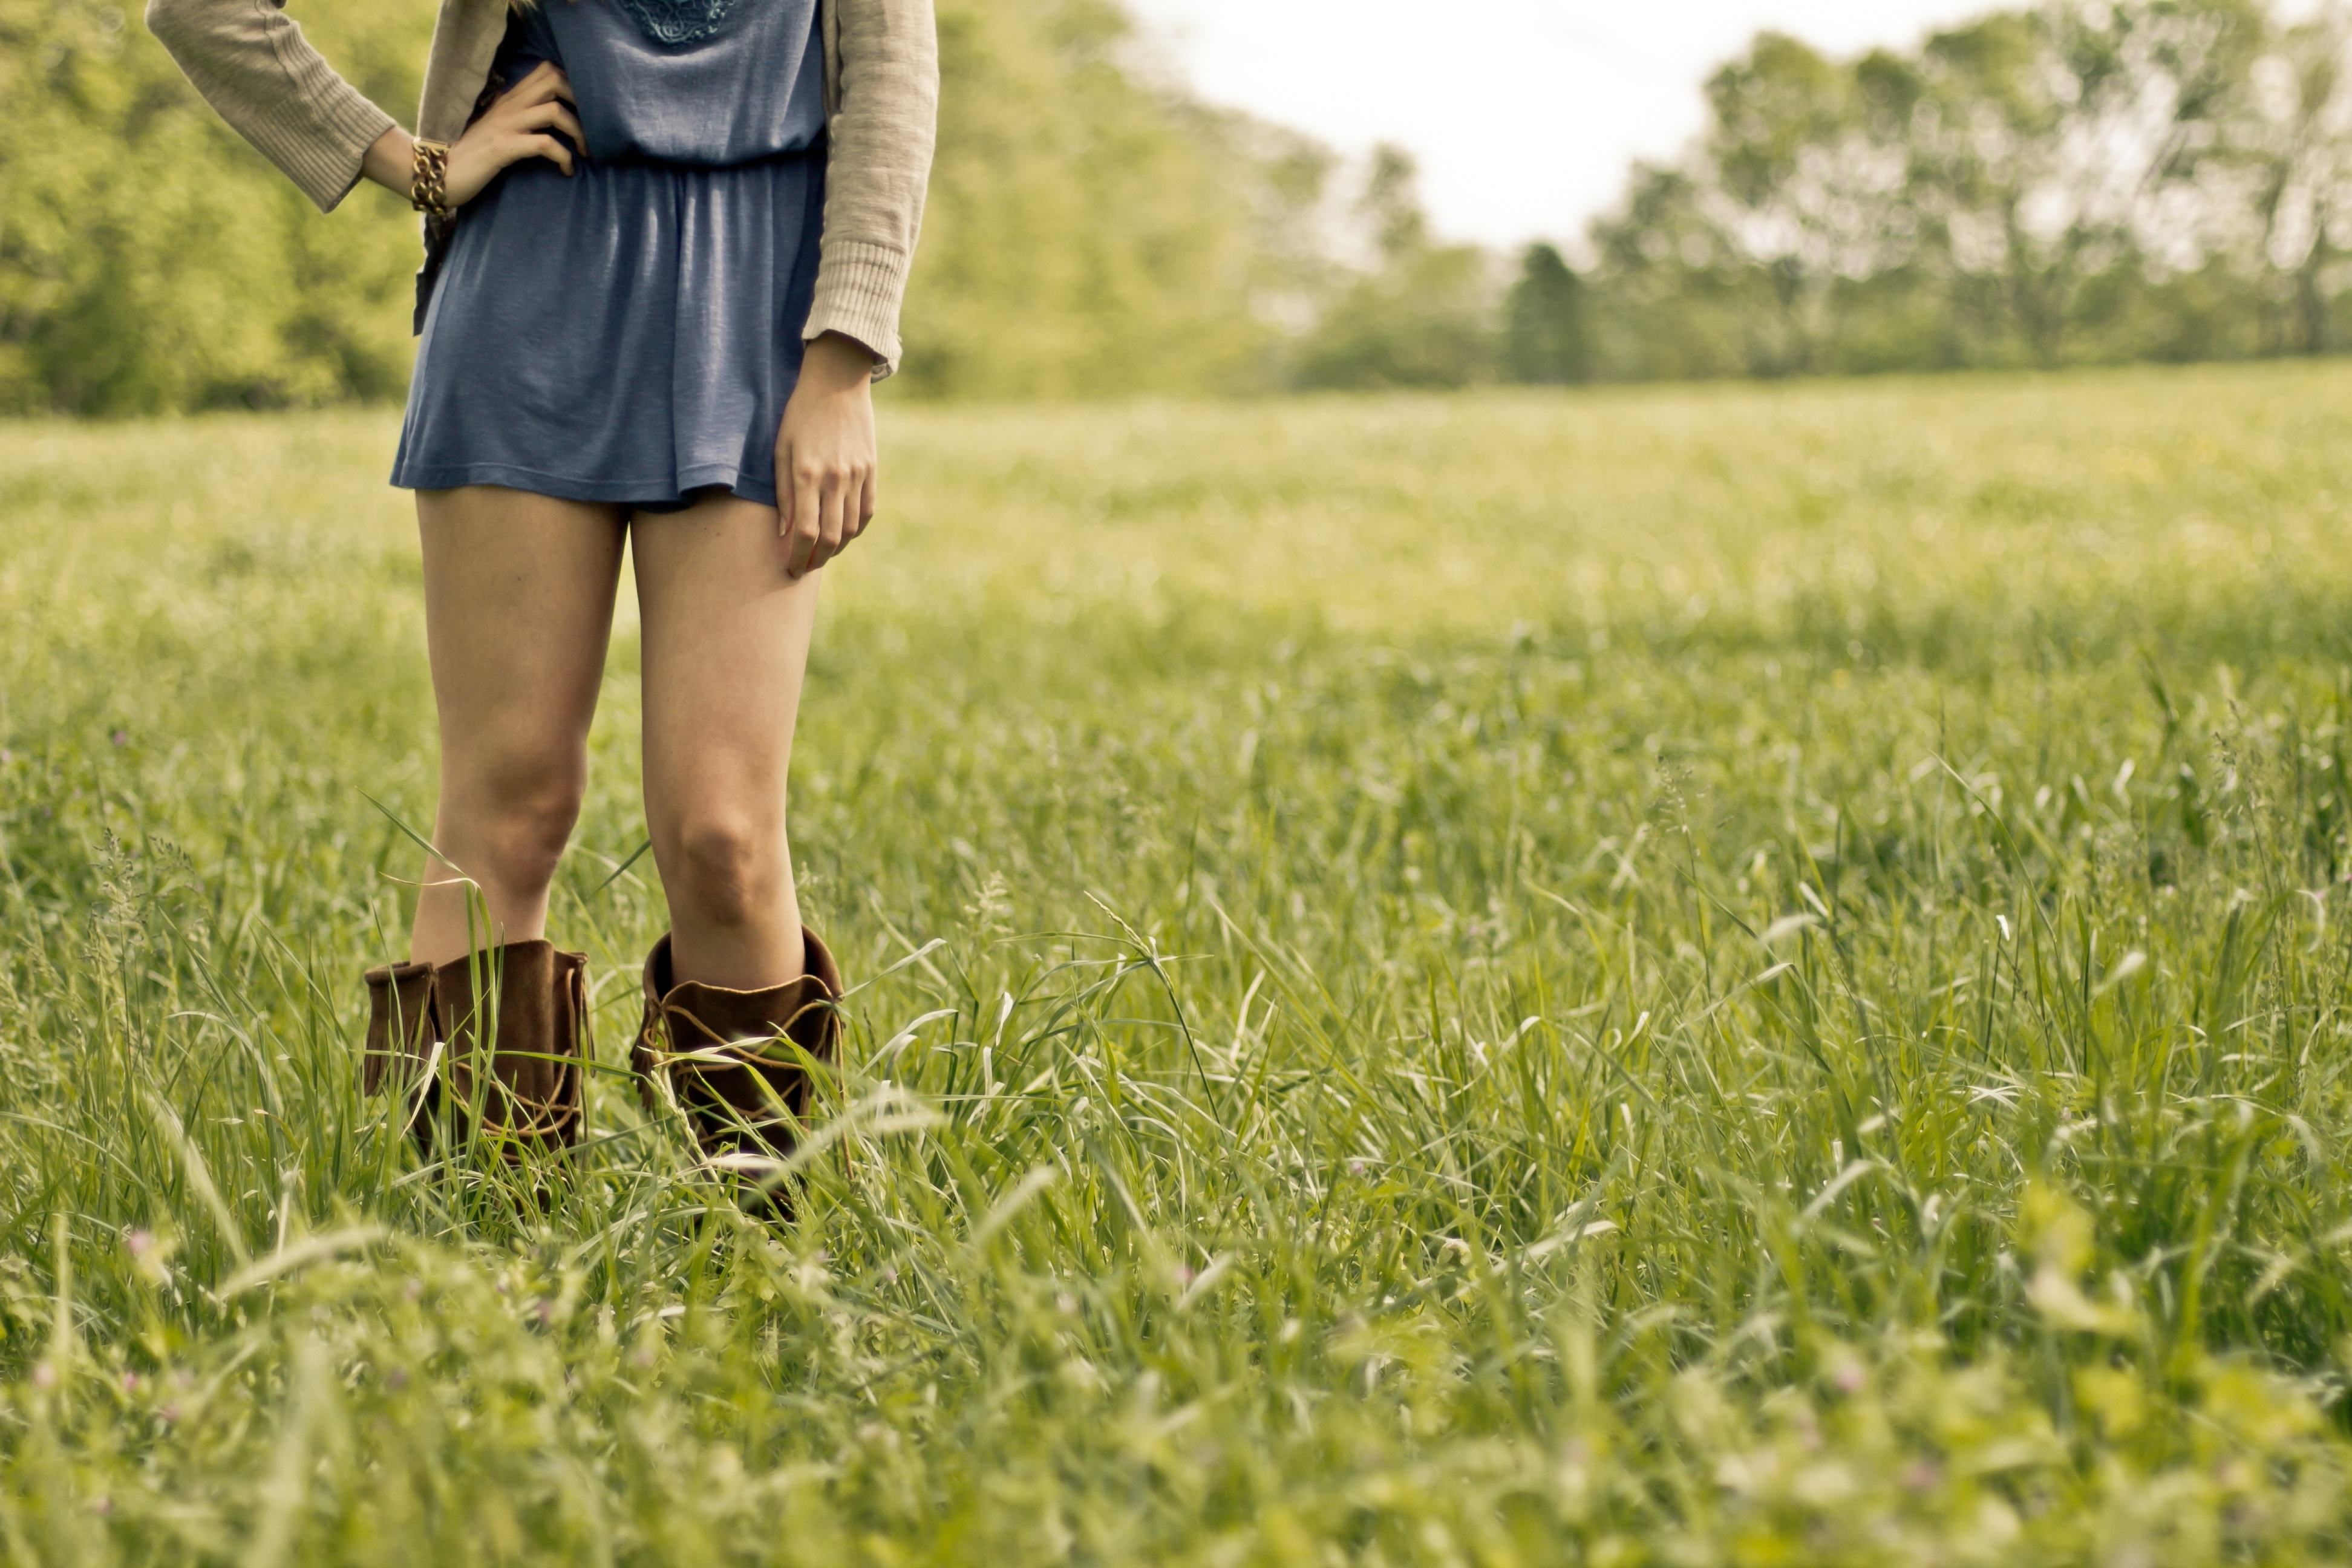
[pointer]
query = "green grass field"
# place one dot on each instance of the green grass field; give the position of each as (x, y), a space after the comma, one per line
(1683, 976)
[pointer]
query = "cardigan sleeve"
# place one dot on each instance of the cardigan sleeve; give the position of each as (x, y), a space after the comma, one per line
(252, 64)
(876, 171)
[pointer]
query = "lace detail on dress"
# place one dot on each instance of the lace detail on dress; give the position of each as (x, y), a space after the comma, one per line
(678, 21)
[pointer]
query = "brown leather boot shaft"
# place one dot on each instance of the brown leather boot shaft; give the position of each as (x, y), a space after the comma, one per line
(538, 1026)
(402, 1026)
(721, 1050)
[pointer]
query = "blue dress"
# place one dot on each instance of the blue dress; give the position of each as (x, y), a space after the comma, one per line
(630, 333)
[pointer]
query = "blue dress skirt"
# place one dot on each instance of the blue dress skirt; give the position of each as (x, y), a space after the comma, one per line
(630, 333)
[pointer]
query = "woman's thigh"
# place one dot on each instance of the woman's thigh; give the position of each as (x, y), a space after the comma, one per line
(518, 612)
(725, 645)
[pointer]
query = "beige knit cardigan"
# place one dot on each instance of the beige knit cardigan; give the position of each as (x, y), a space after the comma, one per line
(251, 62)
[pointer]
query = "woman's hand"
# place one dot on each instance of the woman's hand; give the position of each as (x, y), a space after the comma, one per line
(824, 454)
(516, 126)
(519, 124)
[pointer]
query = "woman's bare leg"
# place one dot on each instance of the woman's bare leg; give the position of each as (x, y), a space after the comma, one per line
(725, 645)
(517, 611)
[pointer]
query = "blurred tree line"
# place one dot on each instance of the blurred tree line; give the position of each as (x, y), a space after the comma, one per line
(2148, 179)
(2081, 183)
(148, 260)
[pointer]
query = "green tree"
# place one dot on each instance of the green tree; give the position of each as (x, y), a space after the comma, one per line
(2288, 139)
(1421, 315)
(2078, 182)
(1546, 337)
(149, 260)
(1088, 232)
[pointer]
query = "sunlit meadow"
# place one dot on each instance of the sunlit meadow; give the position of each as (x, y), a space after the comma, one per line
(1680, 977)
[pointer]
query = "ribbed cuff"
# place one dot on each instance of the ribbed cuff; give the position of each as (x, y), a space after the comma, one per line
(858, 289)
(326, 164)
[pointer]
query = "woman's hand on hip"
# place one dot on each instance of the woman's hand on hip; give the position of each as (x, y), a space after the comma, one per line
(520, 124)
(824, 454)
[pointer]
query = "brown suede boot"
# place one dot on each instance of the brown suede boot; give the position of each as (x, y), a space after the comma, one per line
(718, 1051)
(540, 1040)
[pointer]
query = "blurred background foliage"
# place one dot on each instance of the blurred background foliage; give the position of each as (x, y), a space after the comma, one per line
(2156, 180)
(150, 262)
(2078, 182)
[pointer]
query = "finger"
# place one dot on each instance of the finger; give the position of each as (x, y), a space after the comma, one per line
(548, 148)
(869, 495)
(857, 506)
(552, 115)
(807, 525)
(784, 493)
(546, 81)
(832, 528)
(822, 547)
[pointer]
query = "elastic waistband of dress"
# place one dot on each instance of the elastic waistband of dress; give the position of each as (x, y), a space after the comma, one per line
(814, 150)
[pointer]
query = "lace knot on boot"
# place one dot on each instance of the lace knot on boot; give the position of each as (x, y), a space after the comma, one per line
(732, 1060)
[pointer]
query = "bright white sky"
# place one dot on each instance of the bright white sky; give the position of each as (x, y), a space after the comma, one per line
(1524, 113)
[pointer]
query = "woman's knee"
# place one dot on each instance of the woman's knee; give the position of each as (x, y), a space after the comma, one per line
(515, 807)
(727, 868)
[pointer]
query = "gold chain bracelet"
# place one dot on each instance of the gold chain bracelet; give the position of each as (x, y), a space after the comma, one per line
(428, 180)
